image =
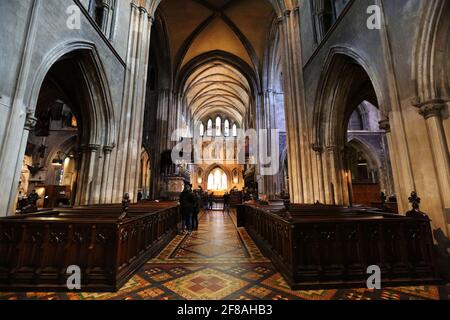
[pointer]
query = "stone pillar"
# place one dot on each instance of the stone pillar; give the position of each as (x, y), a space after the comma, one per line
(336, 181)
(387, 179)
(399, 188)
(431, 111)
(133, 106)
(85, 186)
(320, 177)
(105, 21)
(75, 183)
(19, 121)
(106, 175)
(397, 139)
(299, 152)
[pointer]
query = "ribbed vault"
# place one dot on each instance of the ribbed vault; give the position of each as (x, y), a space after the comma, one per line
(217, 88)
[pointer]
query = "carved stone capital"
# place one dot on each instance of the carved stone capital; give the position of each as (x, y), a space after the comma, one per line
(317, 148)
(30, 121)
(108, 149)
(385, 125)
(431, 108)
(93, 147)
(89, 148)
(332, 149)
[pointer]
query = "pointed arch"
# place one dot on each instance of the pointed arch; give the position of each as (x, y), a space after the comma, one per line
(102, 124)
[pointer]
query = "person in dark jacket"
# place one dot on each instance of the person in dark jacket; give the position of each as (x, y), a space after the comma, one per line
(210, 201)
(33, 198)
(197, 208)
(187, 208)
(226, 202)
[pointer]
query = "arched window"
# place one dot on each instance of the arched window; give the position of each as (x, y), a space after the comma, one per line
(104, 14)
(226, 129)
(202, 130)
(325, 12)
(218, 127)
(234, 130)
(329, 15)
(217, 180)
(99, 12)
(209, 130)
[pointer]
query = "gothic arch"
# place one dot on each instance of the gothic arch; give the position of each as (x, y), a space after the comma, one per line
(330, 101)
(346, 81)
(211, 168)
(431, 69)
(90, 89)
(218, 97)
(280, 6)
(218, 56)
(102, 125)
(370, 154)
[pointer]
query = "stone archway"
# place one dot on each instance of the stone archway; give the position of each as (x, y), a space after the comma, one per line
(88, 92)
(431, 72)
(346, 82)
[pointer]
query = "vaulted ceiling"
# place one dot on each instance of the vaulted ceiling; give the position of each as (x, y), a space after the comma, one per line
(196, 27)
(217, 89)
(239, 27)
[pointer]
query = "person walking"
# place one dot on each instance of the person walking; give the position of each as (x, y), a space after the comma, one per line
(187, 208)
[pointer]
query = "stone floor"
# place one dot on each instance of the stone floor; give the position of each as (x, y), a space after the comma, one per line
(221, 262)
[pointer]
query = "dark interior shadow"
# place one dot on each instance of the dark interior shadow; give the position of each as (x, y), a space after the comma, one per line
(443, 253)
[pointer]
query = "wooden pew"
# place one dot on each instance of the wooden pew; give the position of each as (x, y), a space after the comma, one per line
(37, 249)
(317, 247)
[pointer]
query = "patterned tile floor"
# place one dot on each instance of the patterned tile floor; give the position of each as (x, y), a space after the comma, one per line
(221, 262)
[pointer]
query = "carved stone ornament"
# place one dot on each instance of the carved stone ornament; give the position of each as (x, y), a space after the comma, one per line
(30, 121)
(432, 108)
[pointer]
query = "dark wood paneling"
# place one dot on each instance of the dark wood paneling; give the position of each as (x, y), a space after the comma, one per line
(35, 250)
(321, 247)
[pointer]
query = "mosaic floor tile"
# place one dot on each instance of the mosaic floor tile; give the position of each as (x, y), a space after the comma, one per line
(206, 284)
(426, 292)
(277, 282)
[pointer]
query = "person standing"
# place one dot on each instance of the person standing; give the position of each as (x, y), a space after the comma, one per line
(33, 198)
(226, 202)
(187, 208)
(210, 201)
(197, 208)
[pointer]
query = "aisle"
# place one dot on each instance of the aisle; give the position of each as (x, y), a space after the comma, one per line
(221, 262)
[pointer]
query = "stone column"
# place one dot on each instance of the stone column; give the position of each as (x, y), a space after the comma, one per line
(320, 178)
(299, 153)
(85, 187)
(431, 111)
(19, 120)
(105, 21)
(319, 20)
(388, 164)
(106, 175)
(335, 188)
(133, 107)
(399, 188)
